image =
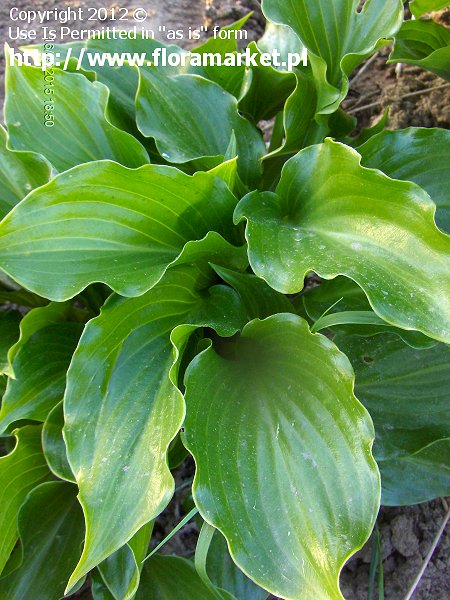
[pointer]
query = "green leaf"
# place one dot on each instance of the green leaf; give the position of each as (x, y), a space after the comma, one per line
(283, 455)
(35, 320)
(259, 299)
(171, 578)
(342, 295)
(406, 393)
(425, 44)
(300, 127)
(139, 543)
(103, 222)
(120, 573)
(226, 43)
(121, 570)
(339, 294)
(81, 132)
(266, 90)
(51, 531)
(122, 81)
(230, 78)
(415, 154)
(40, 374)
(337, 36)
(226, 575)
(420, 7)
(227, 171)
(417, 477)
(72, 50)
(347, 318)
(99, 589)
(176, 112)
(122, 406)
(356, 222)
(281, 38)
(404, 389)
(54, 446)
(20, 172)
(9, 333)
(20, 472)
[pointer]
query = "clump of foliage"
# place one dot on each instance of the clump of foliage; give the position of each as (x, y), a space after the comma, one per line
(157, 302)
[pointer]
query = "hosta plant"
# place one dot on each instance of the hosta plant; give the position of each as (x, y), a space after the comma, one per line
(171, 285)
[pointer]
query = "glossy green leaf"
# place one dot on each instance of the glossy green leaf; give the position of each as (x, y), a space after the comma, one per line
(103, 222)
(300, 127)
(53, 444)
(227, 171)
(281, 38)
(420, 7)
(99, 589)
(226, 43)
(195, 131)
(20, 471)
(20, 172)
(356, 222)
(230, 78)
(35, 320)
(122, 81)
(342, 295)
(425, 44)
(340, 124)
(406, 393)
(140, 542)
(259, 299)
(339, 294)
(51, 531)
(70, 50)
(226, 575)
(418, 477)
(171, 578)
(283, 455)
(415, 154)
(81, 132)
(40, 374)
(266, 90)
(337, 36)
(122, 408)
(9, 333)
(120, 573)
(347, 318)
(404, 389)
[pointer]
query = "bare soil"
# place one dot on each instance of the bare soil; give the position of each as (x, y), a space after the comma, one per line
(406, 533)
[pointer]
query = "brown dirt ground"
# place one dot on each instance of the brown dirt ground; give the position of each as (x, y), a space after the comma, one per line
(406, 533)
